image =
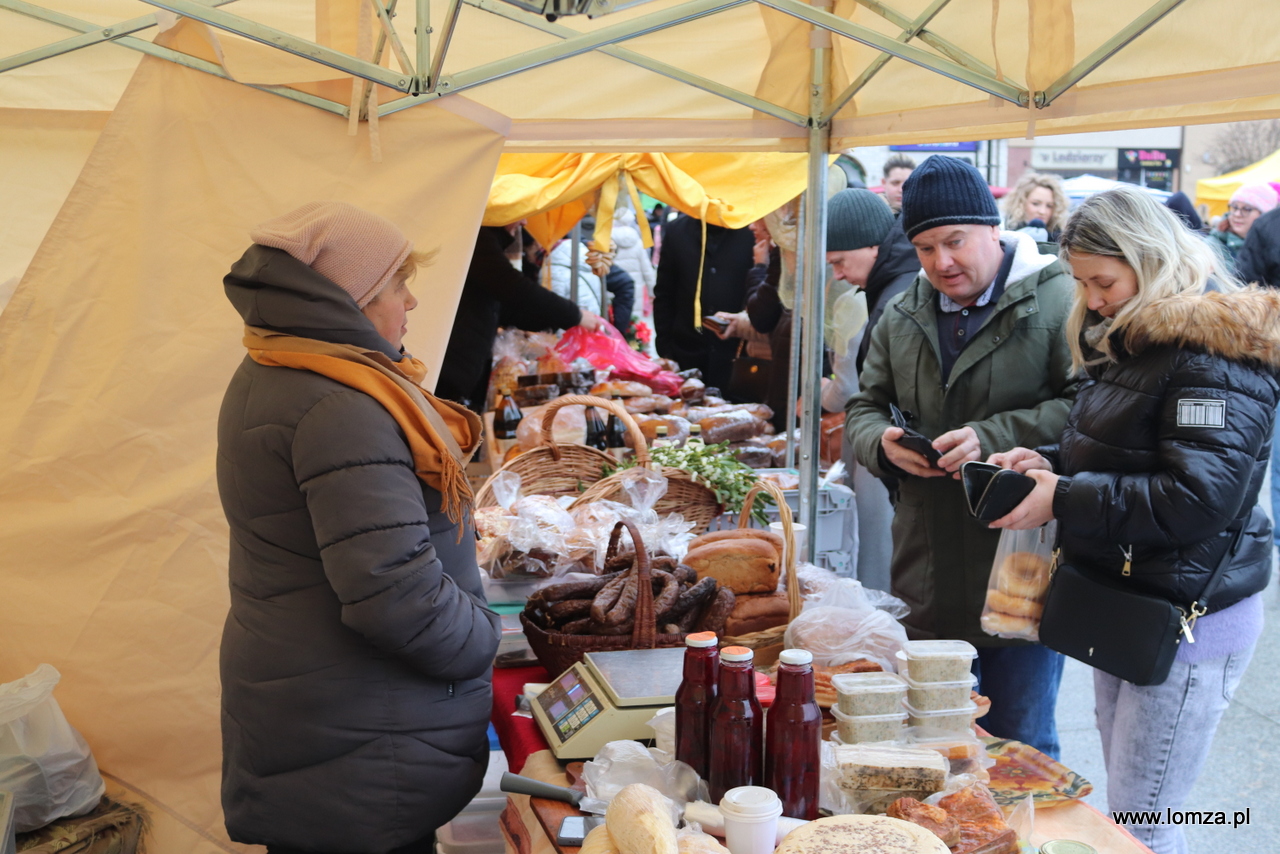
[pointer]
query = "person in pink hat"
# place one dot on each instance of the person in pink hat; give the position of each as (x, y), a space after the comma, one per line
(1246, 205)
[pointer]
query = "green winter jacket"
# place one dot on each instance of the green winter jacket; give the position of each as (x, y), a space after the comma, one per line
(1012, 384)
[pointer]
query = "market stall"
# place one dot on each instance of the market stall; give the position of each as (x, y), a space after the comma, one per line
(1214, 193)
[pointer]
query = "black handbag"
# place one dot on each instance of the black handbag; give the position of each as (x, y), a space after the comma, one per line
(749, 380)
(992, 492)
(1103, 622)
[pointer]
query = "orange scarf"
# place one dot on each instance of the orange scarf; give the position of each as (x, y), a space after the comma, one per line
(442, 435)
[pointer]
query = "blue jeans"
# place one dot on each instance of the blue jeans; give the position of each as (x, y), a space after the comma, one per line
(1275, 480)
(1155, 738)
(1022, 683)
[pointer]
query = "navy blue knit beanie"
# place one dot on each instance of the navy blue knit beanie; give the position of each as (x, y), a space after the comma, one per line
(946, 191)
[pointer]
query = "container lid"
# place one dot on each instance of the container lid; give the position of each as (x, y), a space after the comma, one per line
(867, 683)
(1066, 846)
(751, 802)
(968, 708)
(868, 719)
(939, 649)
(968, 681)
(796, 656)
(736, 653)
(700, 640)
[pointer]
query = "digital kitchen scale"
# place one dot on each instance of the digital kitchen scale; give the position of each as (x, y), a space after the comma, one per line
(609, 696)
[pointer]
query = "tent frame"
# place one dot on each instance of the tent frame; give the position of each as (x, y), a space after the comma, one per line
(421, 80)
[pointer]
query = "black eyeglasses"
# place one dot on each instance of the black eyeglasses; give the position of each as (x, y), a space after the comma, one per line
(1241, 209)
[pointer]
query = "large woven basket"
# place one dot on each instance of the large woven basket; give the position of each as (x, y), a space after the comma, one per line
(695, 501)
(563, 469)
(768, 643)
(558, 651)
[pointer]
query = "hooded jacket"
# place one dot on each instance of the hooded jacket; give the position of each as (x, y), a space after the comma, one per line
(1166, 448)
(1012, 384)
(1258, 262)
(629, 251)
(896, 267)
(356, 655)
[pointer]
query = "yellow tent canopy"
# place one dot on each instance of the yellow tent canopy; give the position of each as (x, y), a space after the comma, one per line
(1216, 192)
(554, 191)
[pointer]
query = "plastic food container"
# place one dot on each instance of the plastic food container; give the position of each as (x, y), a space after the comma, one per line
(934, 696)
(473, 833)
(938, 660)
(869, 693)
(949, 720)
(855, 729)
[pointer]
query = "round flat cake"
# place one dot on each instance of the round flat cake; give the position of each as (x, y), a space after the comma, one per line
(861, 834)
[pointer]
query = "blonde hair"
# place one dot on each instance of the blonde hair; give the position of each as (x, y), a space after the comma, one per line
(1015, 203)
(417, 258)
(1167, 258)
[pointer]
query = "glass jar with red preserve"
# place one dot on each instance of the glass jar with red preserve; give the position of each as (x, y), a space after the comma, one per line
(793, 737)
(694, 699)
(737, 726)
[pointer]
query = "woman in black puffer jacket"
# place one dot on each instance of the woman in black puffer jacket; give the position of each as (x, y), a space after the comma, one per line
(1161, 461)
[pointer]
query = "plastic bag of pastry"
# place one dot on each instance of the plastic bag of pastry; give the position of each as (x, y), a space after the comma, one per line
(966, 755)
(1019, 583)
(814, 580)
(983, 828)
(843, 625)
(537, 538)
(643, 489)
(621, 763)
(692, 841)
(569, 426)
(753, 452)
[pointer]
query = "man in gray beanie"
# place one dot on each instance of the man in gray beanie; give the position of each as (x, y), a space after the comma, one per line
(976, 350)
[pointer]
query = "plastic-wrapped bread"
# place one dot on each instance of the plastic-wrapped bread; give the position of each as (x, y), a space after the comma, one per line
(639, 821)
(737, 425)
(693, 842)
(598, 841)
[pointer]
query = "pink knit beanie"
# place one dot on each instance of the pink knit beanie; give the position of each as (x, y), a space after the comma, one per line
(356, 250)
(1260, 196)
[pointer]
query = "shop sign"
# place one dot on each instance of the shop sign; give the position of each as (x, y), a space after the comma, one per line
(1149, 158)
(1079, 159)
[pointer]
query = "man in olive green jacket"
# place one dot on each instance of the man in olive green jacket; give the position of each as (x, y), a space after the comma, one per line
(975, 349)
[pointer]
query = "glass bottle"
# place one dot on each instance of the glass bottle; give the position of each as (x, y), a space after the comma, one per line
(596, 437)
(695, 434)
(506, 420)
(737, 726)
(694, 699)
(616, 434)
(660, 439)
(793, 735)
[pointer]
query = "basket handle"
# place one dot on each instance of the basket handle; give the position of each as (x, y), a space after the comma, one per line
(633, 429)
(794, 601)
(645, 629)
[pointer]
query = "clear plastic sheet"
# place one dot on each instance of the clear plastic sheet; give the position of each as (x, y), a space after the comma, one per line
(621, 763)
(850, 622)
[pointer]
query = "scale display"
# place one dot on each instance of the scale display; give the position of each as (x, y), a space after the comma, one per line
(610, 696)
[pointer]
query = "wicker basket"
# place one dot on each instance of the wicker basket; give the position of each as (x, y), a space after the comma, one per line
(558, 651)
(768, 642)
(555, 470)
(694, 501)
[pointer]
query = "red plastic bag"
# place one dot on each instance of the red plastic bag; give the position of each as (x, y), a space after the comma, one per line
(607, 350)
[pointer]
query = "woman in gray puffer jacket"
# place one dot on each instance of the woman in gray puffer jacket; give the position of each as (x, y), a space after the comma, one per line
(356, 655)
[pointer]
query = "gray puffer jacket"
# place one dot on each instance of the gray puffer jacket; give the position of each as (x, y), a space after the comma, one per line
(356, 656)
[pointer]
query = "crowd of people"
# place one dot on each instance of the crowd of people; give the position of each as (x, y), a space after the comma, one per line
(355, 659)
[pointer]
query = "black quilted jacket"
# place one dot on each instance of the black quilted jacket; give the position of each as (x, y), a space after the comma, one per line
(356, 655)
(1165, 449)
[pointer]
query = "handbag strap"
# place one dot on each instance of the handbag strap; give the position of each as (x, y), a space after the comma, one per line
(1201, 606)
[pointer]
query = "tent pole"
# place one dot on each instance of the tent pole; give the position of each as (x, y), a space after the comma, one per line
(812, 298)
(575, 243)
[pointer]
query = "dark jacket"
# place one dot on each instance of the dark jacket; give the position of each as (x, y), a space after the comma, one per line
(1258, 261)
(896, 267)
(727, 260)
(769, 316)
(1012, 384)
(356, 655)
(494, 294)
(1166, 448)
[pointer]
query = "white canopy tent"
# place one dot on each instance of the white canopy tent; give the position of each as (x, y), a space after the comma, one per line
(112, 524)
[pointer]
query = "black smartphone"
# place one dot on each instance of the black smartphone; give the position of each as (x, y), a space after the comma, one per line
(716, 323)
(913, 440)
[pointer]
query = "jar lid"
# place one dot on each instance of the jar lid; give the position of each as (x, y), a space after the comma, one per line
(750, 802)
(1066, 846)
(736, 653)
(796, 656)
(700, 640)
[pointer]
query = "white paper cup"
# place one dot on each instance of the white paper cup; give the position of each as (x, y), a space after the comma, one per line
(801, 534)
(750, 819)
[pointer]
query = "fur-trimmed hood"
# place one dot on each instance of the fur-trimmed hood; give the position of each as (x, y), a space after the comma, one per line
(1241, 326)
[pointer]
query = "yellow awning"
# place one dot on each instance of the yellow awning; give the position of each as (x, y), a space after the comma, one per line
(1216, 192)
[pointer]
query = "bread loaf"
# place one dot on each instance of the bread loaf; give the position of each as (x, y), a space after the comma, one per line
(598, 841)
(739, 534)
(639, 821)
(699, 843)
(622, 388)
(734, 426)
(757, 612)
(741, 565)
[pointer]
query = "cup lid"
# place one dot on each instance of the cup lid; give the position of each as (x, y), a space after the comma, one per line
(736, 653)
(796, 656)
(750, 802)
(700, 640)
